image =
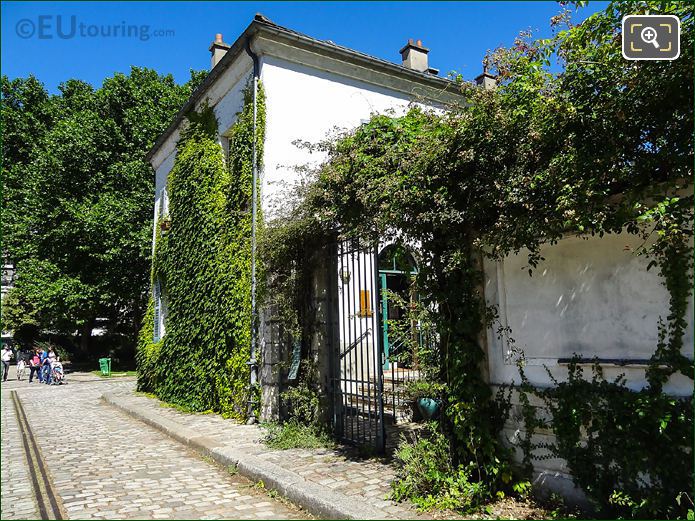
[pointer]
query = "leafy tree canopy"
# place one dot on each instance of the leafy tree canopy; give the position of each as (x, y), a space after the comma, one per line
(77, 199)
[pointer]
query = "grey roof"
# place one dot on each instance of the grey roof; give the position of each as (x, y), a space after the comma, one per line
(261, 24)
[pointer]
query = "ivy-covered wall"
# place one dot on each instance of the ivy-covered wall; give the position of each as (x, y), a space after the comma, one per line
(203, 263)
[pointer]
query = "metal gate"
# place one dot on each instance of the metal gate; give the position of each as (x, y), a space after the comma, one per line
(358, 380)
(368, 380)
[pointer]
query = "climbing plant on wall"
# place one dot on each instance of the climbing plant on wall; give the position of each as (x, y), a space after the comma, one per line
(203, 264)
(545, 155)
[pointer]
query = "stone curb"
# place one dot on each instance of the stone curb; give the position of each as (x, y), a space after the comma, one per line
(319, 500)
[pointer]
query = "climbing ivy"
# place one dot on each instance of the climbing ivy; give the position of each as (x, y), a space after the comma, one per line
(628, 450)
(544, 156)
(203, 265)
(147, 351)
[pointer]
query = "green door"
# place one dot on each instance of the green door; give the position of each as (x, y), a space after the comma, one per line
(396, 269)
(384, 319)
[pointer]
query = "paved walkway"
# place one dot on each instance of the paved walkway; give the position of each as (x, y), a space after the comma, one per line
(106, 465)
(17, 497)
(364, 482)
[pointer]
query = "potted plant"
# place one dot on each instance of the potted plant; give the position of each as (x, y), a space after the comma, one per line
(165, 224)
(425, 398)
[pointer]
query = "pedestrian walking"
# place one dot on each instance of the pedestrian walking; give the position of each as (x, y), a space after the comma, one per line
(21, 368)
(43, 355)
(6, 357)
(35, 366)
(46, 366)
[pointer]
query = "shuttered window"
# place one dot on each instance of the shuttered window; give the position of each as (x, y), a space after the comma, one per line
(164, 203)
(157, 297)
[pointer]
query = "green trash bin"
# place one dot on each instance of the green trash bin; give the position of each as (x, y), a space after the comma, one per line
(105, 366)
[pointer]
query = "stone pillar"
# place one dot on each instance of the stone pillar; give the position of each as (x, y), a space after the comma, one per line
(272, 356)
(323, 342)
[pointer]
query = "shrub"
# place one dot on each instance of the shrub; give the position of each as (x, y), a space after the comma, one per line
(630, 451)
(423, 389)
(427, 475)
(295, 435)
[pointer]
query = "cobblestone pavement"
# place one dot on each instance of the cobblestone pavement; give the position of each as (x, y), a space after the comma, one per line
(17, 497)
(367, 480)
(106, 465)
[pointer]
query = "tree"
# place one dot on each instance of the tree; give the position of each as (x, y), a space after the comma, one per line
(77, 201)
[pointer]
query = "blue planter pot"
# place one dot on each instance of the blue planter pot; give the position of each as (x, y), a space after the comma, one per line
(428, 407)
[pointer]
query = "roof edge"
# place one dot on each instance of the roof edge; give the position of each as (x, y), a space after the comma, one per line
(234, 50)
(261, 24)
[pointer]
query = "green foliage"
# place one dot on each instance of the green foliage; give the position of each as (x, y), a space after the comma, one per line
(203, 264)
(549, 153)
(296, 435)
(427, 474)
(302, 403)
(423, 389)
(628, 450)
(202, 122)
(147, 352)
(419, 347)
(77, 213)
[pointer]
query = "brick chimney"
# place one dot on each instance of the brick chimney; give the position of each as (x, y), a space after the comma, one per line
(486, 80)
(414, 56)
(217, 49)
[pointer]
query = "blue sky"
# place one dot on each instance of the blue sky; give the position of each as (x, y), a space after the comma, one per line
(457, 33)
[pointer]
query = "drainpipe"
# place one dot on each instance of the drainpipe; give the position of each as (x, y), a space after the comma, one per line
(253, 363)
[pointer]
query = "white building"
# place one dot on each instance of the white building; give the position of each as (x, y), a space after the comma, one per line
(591, 297)
(312, 87)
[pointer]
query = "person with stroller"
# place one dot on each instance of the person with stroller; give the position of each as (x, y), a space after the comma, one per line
(45, 367)
(57, 375)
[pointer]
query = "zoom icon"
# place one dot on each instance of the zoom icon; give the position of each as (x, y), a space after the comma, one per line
(651, 37)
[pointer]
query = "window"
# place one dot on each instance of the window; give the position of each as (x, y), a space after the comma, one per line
(158, 312)
(164, 203)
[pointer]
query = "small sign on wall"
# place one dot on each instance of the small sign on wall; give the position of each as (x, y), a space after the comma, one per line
(365, 303)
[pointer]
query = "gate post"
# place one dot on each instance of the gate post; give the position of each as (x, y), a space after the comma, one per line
(378, 363)
(324, 285)
(333, 337)
(272, 349)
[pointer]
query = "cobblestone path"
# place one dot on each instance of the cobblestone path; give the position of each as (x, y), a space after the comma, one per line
(106, 465)
(17, 494)
(365, 480)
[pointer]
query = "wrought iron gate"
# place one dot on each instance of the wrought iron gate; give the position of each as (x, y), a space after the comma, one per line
(358, 380)
(368, 381)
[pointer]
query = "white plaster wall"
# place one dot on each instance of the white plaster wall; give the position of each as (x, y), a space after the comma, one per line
(592, 297)
(308, 104)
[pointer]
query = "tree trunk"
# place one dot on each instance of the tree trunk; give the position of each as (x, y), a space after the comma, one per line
(86, 334)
